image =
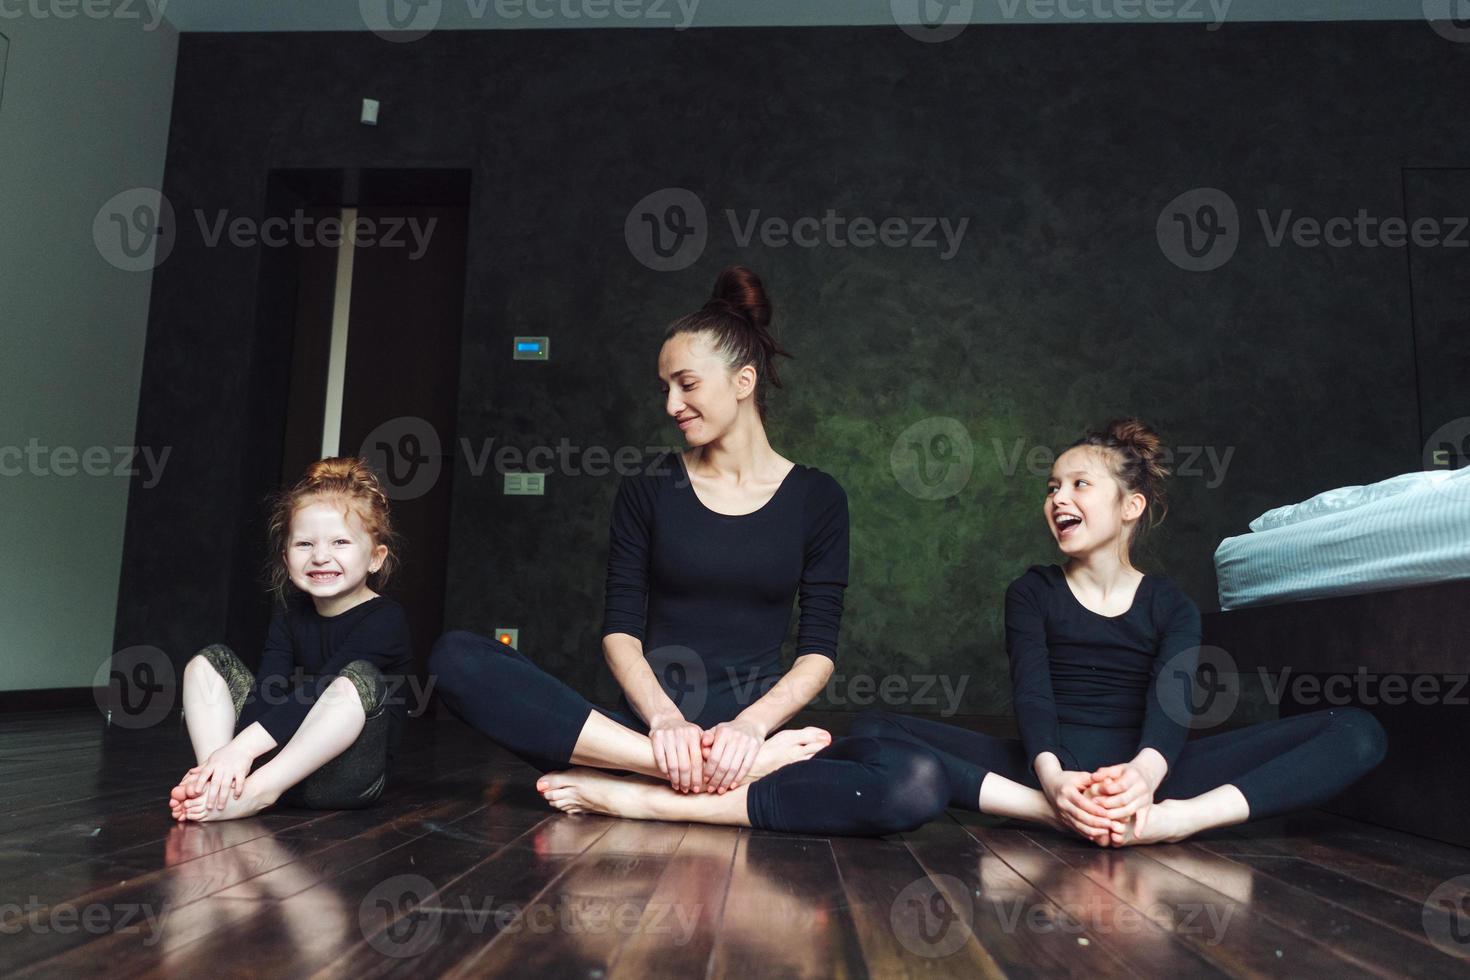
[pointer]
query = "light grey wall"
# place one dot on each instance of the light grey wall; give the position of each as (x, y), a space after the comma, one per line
(84, 115)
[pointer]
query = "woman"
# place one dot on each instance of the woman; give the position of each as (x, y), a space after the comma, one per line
(707, 549)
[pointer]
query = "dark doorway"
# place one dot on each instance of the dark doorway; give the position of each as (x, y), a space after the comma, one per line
(1439, 290)
(366, 335)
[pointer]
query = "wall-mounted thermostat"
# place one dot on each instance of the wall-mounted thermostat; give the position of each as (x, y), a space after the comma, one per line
(525, 484)
(533, 349)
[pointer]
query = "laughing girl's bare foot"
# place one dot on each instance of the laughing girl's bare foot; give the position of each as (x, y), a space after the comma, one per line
(1161, 823)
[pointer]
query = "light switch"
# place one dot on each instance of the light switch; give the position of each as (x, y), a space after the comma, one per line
(509, 635)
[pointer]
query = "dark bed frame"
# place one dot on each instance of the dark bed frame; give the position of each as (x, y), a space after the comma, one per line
(1423, 785)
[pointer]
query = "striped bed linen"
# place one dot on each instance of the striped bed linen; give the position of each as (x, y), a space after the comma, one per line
(1413, 538)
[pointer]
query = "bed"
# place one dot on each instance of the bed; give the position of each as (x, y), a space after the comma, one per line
(1371, 583)
(1411, 530)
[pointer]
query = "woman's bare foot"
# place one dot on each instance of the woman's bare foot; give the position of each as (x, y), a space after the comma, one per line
(253, 799)
(784, 748)
(593, 791)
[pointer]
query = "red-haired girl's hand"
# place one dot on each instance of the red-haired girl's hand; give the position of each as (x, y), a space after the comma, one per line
(221, 775)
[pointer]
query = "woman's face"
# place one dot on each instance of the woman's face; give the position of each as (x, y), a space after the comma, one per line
(700, 393)
(1086, 507)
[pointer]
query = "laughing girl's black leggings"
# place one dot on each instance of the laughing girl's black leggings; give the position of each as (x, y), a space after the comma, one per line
(1278, 766)
(862, 786)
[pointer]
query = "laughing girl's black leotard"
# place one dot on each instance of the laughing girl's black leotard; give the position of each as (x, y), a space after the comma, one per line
(1096, 690)
(709, 595)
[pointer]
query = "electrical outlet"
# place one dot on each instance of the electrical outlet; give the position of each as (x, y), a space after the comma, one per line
(525, 484)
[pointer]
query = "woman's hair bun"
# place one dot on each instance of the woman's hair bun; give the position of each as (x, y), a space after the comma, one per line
(740, 290)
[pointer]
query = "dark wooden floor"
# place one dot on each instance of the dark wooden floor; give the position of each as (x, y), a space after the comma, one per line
(461, 869)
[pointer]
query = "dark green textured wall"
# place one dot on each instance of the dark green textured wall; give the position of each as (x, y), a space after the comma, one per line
(1060, 145)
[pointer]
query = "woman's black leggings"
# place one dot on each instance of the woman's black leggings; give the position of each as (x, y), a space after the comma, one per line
(864, 786)
(1278, 766)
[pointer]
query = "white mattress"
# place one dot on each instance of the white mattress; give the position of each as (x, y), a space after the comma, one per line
(1416, 537)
